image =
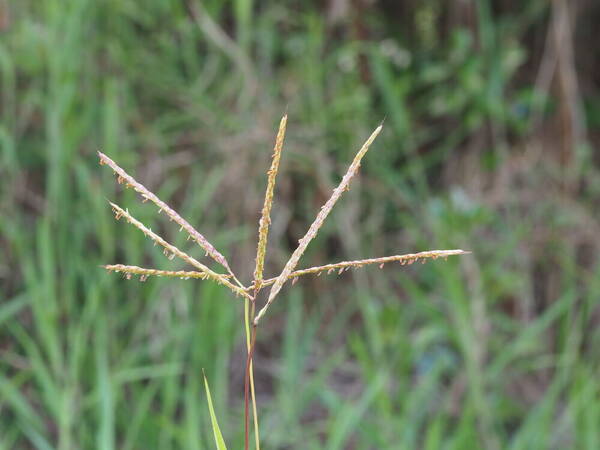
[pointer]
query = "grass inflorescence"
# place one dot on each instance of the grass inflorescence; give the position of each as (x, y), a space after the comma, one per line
(251, 291)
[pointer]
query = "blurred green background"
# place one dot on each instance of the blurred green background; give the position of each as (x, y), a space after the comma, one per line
(492, 121)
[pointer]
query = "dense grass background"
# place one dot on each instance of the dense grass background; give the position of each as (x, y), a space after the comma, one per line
(492, 121)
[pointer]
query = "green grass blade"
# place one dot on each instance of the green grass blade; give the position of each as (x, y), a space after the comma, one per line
(12, 307)
(213, 419)
(348, 420)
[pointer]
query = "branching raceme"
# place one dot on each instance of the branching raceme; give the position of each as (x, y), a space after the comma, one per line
(228, 279)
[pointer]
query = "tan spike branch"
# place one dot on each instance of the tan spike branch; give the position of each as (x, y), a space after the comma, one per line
(265, 219)
(340, 267)
(172, 250)
(147, 195)
(144, 273)
(318, 222)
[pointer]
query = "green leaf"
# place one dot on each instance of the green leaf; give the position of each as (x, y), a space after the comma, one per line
(213, 418)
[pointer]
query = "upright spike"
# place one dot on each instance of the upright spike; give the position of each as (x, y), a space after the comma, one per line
(318, 222)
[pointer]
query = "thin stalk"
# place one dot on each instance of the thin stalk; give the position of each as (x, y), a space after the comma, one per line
(252, 391)
(249, 311)
(247, 325)
(247, 389)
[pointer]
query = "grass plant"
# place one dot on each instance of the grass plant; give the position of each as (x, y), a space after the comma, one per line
(250, 292)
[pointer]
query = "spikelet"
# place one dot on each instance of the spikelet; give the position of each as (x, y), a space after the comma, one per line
(318, 222)
(124, 177)
(342, 266)
(265, 219)
(144, 273)
(171, 250)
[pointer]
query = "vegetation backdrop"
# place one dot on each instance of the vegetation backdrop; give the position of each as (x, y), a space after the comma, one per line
(492, 123)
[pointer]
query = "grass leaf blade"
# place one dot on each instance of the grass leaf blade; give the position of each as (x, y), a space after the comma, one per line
(219, 441)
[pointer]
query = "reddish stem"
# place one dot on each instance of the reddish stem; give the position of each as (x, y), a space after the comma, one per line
(247, 390)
